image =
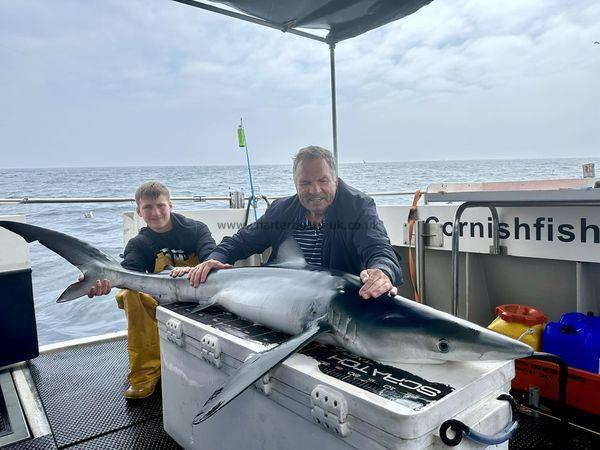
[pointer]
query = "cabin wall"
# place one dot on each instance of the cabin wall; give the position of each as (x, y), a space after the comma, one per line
(554, 276)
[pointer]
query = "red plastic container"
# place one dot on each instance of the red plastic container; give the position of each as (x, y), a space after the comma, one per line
(583, 388)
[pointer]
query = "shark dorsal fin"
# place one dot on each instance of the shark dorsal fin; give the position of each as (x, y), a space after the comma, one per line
(289, 254)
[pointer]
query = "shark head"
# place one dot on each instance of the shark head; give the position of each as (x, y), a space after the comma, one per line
(398, 330)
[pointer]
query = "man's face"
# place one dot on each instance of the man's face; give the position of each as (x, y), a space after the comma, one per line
(156, 213)
(316, 185)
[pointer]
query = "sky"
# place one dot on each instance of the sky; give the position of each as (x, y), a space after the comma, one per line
(155, 82)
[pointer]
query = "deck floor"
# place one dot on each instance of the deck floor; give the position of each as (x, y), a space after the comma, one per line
(81, 390)
(543, 431)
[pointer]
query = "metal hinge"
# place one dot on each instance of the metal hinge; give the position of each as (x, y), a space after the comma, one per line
(433, 235)
(264, 384)
(211, 350)
(330, 410)
(175, 332)
(500, 250)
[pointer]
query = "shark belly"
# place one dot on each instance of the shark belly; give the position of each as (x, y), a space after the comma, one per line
(282, 299)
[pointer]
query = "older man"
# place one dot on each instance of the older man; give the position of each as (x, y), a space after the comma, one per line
(335, 225)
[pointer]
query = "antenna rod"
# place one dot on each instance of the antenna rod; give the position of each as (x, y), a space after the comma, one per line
(242, 143)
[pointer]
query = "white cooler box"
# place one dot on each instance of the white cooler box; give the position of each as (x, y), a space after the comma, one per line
(321, 398)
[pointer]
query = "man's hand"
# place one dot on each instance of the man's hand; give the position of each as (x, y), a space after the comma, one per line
(102, 287)
(199, 273)
(179, 271)
(375, 284)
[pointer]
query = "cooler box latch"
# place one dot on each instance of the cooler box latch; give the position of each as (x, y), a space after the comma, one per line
(330, 410)
(264, 384)
(175, 332)
(211, 350)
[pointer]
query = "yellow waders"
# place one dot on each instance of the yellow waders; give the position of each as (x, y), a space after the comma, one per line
(142, 337)
(143, 343)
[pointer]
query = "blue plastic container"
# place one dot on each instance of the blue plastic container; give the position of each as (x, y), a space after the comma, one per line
(576, 339)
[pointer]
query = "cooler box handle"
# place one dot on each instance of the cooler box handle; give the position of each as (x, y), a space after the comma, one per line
(461, 430)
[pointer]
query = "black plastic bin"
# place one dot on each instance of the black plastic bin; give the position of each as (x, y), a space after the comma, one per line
(18, 331)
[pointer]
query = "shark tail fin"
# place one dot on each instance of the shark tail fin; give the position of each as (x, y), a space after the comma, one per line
(93, 263)
(256, 367)
(77, 252)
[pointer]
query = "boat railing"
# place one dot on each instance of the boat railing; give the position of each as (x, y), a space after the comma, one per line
(193, 198)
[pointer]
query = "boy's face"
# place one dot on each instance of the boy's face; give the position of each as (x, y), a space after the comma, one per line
(156, 213)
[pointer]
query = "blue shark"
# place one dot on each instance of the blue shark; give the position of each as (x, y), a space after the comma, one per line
(303, 301)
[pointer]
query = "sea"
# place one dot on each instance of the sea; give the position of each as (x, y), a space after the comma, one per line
(101, 224)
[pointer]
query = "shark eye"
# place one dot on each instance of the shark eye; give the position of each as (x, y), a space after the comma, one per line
(443, 345)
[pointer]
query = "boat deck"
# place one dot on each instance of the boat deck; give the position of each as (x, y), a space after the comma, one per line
(81, 390)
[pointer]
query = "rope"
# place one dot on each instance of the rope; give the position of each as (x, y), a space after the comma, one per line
(411, 262)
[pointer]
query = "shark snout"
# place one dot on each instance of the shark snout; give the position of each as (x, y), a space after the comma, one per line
(500, 347)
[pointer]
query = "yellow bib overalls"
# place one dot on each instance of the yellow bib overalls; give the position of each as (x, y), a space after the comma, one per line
(143, 344)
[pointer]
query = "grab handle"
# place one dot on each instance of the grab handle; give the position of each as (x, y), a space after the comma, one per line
(461, 430)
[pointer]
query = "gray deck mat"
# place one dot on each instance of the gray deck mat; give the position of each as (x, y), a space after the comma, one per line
(5, 426)
(82, 393)
(142, 436)
(545, 433)
(41, 443)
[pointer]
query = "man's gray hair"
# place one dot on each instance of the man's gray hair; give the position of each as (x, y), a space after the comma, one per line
(315, 152)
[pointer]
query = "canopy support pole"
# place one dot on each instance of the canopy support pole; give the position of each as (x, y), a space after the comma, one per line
(333, 101)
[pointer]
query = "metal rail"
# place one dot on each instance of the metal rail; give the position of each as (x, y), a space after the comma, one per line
(252, 19)
(420, 259)
(195, 198)
(33, 200)
(495, 248)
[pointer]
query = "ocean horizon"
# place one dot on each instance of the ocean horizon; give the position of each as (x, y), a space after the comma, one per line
(137, 166)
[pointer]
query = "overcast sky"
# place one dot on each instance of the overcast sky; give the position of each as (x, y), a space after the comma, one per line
(154, 82)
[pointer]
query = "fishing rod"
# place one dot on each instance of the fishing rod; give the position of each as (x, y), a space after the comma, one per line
(242, 143)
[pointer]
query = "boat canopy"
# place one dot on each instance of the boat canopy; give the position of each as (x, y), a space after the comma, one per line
(343, 18)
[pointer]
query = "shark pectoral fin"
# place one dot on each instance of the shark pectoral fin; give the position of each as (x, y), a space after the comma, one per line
(255, 367)
(201, 307)
(76, 290)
